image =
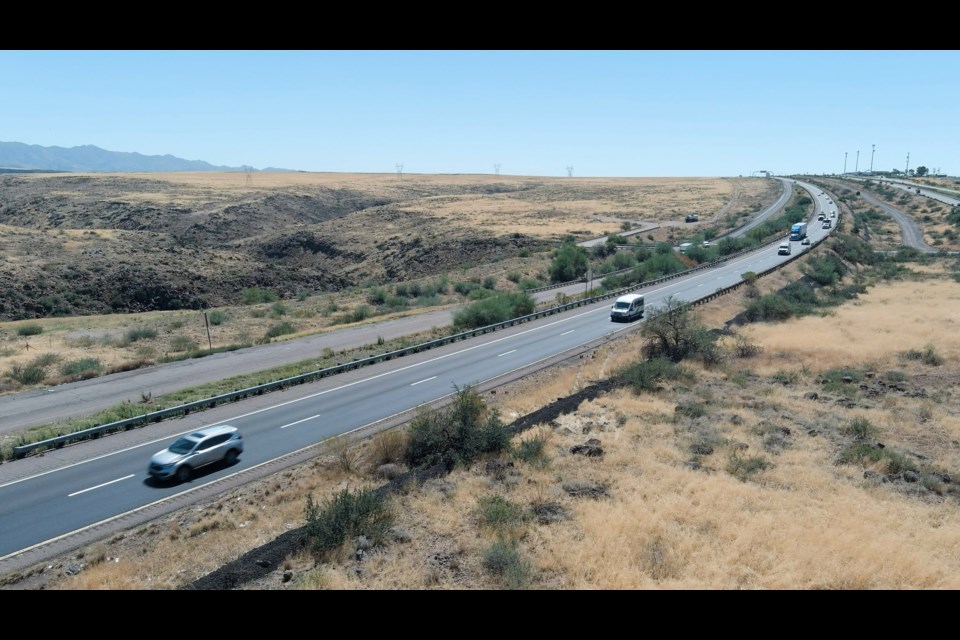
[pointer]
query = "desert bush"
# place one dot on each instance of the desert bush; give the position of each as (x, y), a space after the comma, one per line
(46, 359)
(489, 282)
(528, 283)
(388, 447)
(27, 373)
(282, 329)
(378, 295)
(889, 460)
(928, 356)
(742, 468)
(29, 330)
(176, 324)
(499, 513)
(645, 375)
(532, 449)
(459, 433)
(743, 348)
(302, 295)
(182, 343)
(256, 295)
(502, 559)
(278, 309)
(499, 307)
(217, 317)
(514, 277)
(140, 333)
(81, 366)
(673, 331)
(861, 428)
(347, 514)
(690, 410)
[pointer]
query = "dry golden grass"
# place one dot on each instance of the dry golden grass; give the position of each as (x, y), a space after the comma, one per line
(803, 522)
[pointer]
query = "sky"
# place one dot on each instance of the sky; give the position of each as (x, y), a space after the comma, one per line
(596, 113)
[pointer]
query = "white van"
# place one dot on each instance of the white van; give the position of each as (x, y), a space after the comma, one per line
(627, 308)
(784, 249)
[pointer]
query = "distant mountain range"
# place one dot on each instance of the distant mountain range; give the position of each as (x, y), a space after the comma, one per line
(22, 157)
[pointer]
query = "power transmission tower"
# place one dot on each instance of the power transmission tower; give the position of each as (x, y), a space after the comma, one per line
(873, 149)
(844, 163)
(496, 169)
(569, 170)
(399, 171)
(856, 167)
(248, 180)
(907, 172)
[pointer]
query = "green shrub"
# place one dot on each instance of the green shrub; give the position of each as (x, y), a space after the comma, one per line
(861, 429)
(81, 366)
(255, 295)
(742, 468)
(258, 313)
(528, 283)
(302, 295)
(502, 559)
(514, 277)
(499, 513)
(523, 253)
(891, 461)
(499, 307)
(217, 317)
(182, 343)
(46, 359)
(690, 410)
(29, 330)
(347, 514)
(489, 282)
(457, 434)
(532, 450)
(928, 356)
(28, 373)
(378, 295)
(140, 333)
(569, 263)
(282, 329)
(278, 309)
(176, 324)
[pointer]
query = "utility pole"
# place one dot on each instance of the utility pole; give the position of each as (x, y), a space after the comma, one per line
(873, 149)
(399, 171)
(206, 321)
(496, 169)
(907, 172)
(844, 163)
(856, 167)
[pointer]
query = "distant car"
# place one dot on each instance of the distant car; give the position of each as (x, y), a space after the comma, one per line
(805, 241)
(198, 449)
(821, 217)
(706, 243)
(691, 217)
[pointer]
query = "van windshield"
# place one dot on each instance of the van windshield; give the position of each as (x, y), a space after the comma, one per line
(622, 305)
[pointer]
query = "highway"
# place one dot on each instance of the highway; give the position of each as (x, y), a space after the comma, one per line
(21, 411)
(67, 490)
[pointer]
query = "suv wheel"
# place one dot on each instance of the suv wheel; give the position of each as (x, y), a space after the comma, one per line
(183, 473)
(231, 458)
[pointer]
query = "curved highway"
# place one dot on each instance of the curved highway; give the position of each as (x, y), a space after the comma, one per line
(42, 499)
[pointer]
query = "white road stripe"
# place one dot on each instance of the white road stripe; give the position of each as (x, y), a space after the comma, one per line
(506, 353)
(299, 421)
(566, 332)
(413, 384)
(76, 493)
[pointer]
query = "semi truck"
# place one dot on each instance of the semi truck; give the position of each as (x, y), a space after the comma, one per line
(798, 231)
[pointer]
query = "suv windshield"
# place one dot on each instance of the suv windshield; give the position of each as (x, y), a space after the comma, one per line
(183, 445)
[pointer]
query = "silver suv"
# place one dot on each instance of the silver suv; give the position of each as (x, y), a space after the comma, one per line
(195, 450)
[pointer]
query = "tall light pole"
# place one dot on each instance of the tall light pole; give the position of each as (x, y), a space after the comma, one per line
(844, 163)
(907, 172)
(873, 149)
(856, 167)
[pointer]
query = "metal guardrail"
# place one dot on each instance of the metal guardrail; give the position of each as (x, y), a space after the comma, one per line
(207, 403)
